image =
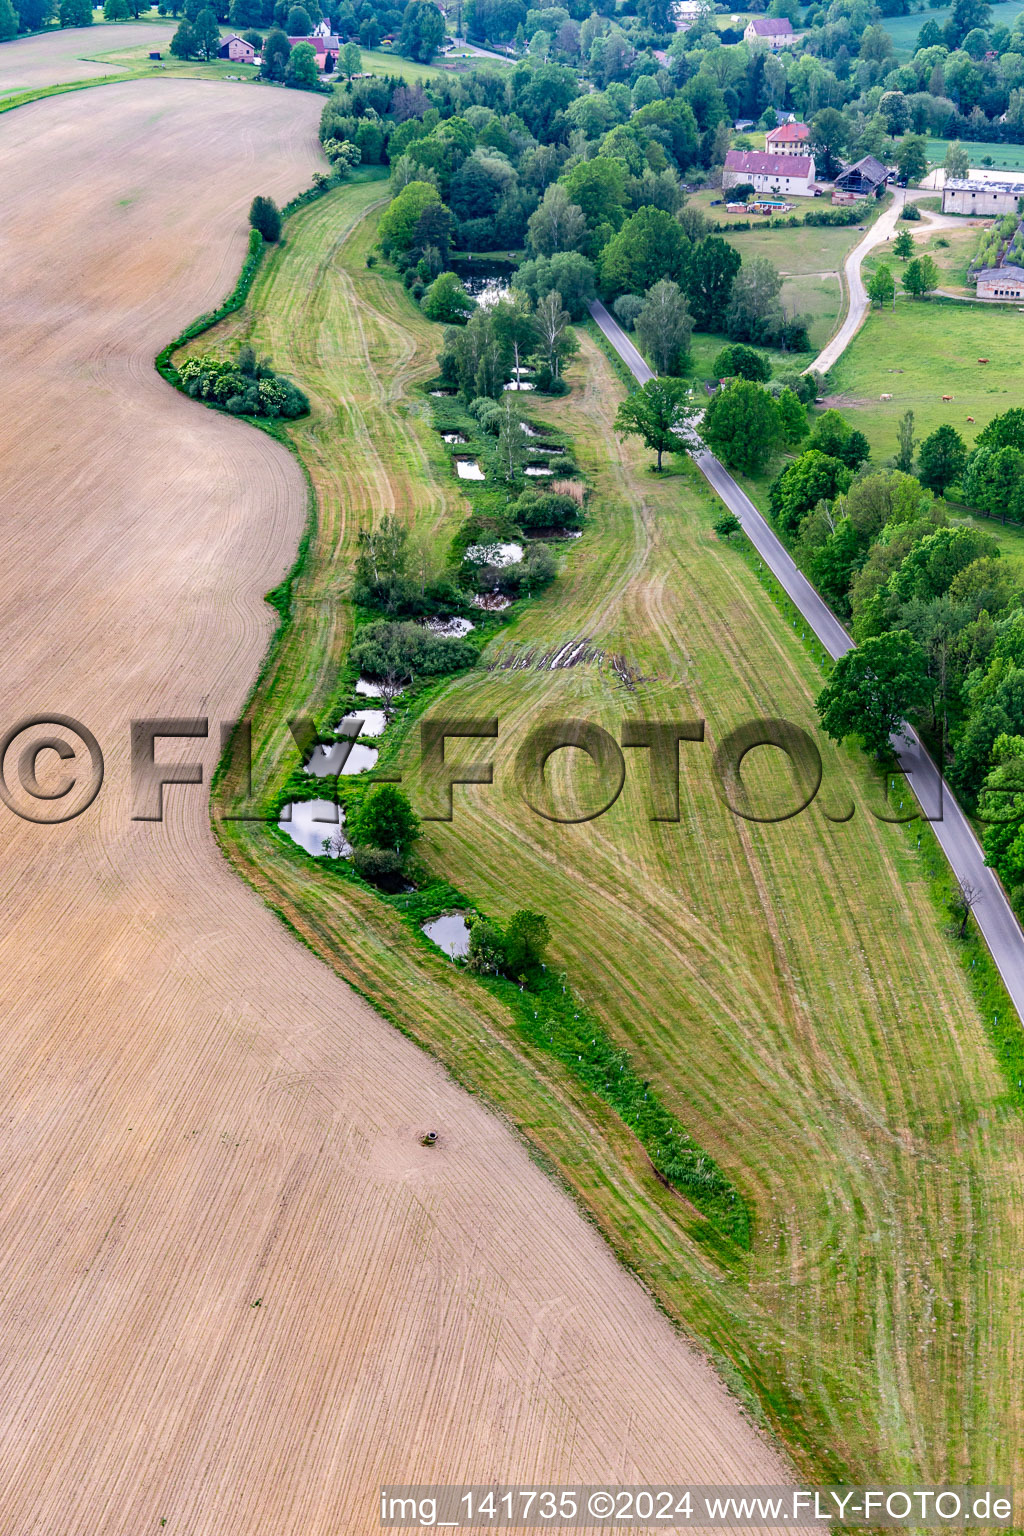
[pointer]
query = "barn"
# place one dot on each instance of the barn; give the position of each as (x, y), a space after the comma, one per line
(863, 178)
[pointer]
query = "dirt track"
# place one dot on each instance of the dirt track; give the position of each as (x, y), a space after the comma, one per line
(195, 1115)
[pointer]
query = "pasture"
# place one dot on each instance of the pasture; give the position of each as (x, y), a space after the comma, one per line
(788, 990)
(1003, 157)
(922, 351)
(904, 30)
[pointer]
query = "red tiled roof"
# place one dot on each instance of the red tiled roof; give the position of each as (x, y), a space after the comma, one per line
(788, 133)
(756, 163)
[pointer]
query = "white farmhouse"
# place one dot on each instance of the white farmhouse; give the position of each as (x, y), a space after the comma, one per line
(774, 31)
(787, 175)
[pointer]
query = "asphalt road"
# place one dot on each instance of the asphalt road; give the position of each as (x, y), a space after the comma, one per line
(999, 927)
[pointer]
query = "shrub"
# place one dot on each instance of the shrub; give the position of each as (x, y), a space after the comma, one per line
(726, 525)
(562, 465)
(545, 509)
(245, 387)
(380, 866)
(406, 651)
(910, 211)
(265, 216)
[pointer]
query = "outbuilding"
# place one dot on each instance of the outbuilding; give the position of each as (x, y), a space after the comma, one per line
(863, 177)
(1001, 283)
(982, 196)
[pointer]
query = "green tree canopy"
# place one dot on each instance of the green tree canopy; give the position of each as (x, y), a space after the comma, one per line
(920, 276)
(265, 216)
(941, 459)
(399, 220)
(811, 478)
(743, 425)
(302, 72)
(873, 688)
(658, 413)
(664, 327)
(384, 819)
(649, 246)
(740, 362)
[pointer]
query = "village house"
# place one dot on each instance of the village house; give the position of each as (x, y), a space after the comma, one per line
(776, 31)
(792, 175)
(1001, 283)
(977, 196)
(238, 49)
(326, 48)
(788, 139)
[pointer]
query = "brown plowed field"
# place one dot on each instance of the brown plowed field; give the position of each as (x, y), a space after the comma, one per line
(53, 57)
(195, 1114)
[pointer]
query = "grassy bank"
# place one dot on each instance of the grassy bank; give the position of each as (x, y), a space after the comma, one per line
(784, 990)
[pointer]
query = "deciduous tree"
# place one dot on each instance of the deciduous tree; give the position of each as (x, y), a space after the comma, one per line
(873, 688)
(941, 459)
(743, 425)
(658, 413)
(664, 327)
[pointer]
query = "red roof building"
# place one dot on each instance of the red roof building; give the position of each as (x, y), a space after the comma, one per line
(788, 139)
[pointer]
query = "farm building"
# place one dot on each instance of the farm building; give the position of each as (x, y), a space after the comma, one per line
(1001, 283)
(788, 139)
(863, 178)
(789, 174)
(325, 47)
(238, 49)
(776, 31)
(977, 196)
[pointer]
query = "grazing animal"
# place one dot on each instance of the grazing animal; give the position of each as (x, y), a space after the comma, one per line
(971, 420)
(982, 359)
(946, 399)
(885, 397)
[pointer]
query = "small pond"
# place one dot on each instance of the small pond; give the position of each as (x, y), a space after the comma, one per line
(449, 629)
(311, 823)
(369, 690)
(493, 602)
(486, 281)
(371, 722)
(341, 757)
(494, 554)
(468, 469)
(520, 384)
(450, 933)
(453, 437)
(538, 469)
